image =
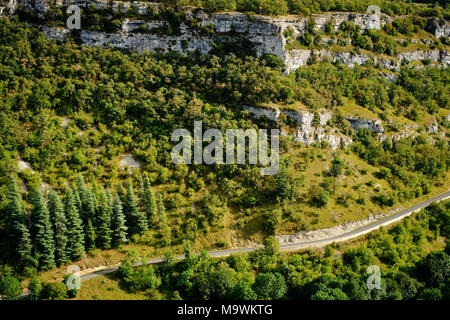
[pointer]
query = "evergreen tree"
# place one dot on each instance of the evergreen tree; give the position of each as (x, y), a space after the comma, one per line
(162, 217)
(284, 187)
(164, 228)
(137, 222)
(77, 200)
(121, 192)
(148, 203)
(59, 222)
(104, 220)
(20, 240)
(96, 192)
(118, 223)
(24, 247)
(90, 236)
(35, 288)
(75, 244)
(141, 189)
(42, 232)
(87, 201)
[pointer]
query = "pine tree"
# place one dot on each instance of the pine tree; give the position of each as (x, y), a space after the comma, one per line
(24, 247)
(78, 204)
(162, 218)
(42, 232)
(121, 192)
(137, 222)
(118, 223)
(20, 239)
(284, 188)
(90, 236)
(75, 244)
(96, 191)
(87, 201)
(104, 219)
(141, 189)
(148, 203)
(59, 222)
(164, 228)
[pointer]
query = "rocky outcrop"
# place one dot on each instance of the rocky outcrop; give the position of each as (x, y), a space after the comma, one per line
(438, 27)
(267, 34)
(298, 58)
(433, 128)
(306, 133)
(373, 125)
(147, 42)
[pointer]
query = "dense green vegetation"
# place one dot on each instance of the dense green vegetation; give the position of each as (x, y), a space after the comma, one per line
(62, 233)
(408, 271)
(71, 112)
(393, 38)
(306, 7)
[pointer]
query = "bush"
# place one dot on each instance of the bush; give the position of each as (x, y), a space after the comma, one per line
(270, 286)
(35, 288)
(137, 278)
(271, 220)
(10, 288)
(337, 167)
(383, 173)
(320, 199)
(54, 291)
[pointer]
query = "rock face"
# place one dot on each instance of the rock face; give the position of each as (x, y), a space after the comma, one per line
(306, 132)
(433, 128)
(373, 125)
(267, 34)
(438, 27)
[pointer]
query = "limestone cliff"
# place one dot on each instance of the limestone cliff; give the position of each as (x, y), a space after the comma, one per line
(307, 133)
(266, 34)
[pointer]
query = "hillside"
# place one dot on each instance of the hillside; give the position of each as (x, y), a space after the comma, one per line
(87, 118)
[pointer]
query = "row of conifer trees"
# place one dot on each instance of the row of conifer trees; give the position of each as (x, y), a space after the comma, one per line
(59, 230)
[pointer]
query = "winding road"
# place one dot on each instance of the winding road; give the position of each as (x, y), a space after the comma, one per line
(300, 245)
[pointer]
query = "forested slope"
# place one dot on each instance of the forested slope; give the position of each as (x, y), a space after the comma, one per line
(70, 115)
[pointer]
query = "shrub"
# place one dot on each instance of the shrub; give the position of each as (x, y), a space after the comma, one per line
(54, 291)
(10, 288)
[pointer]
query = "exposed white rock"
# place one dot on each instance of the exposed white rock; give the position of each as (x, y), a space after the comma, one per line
(306, 133)
(147, 42)
(129, 162)
(265, 33)
(271, 114)
(22, 165)
(54, 33)
(407, 133)
(433, 128)
(65, 122)
(375, 126)
(440, 28)
(304, 236)
(131, 25)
